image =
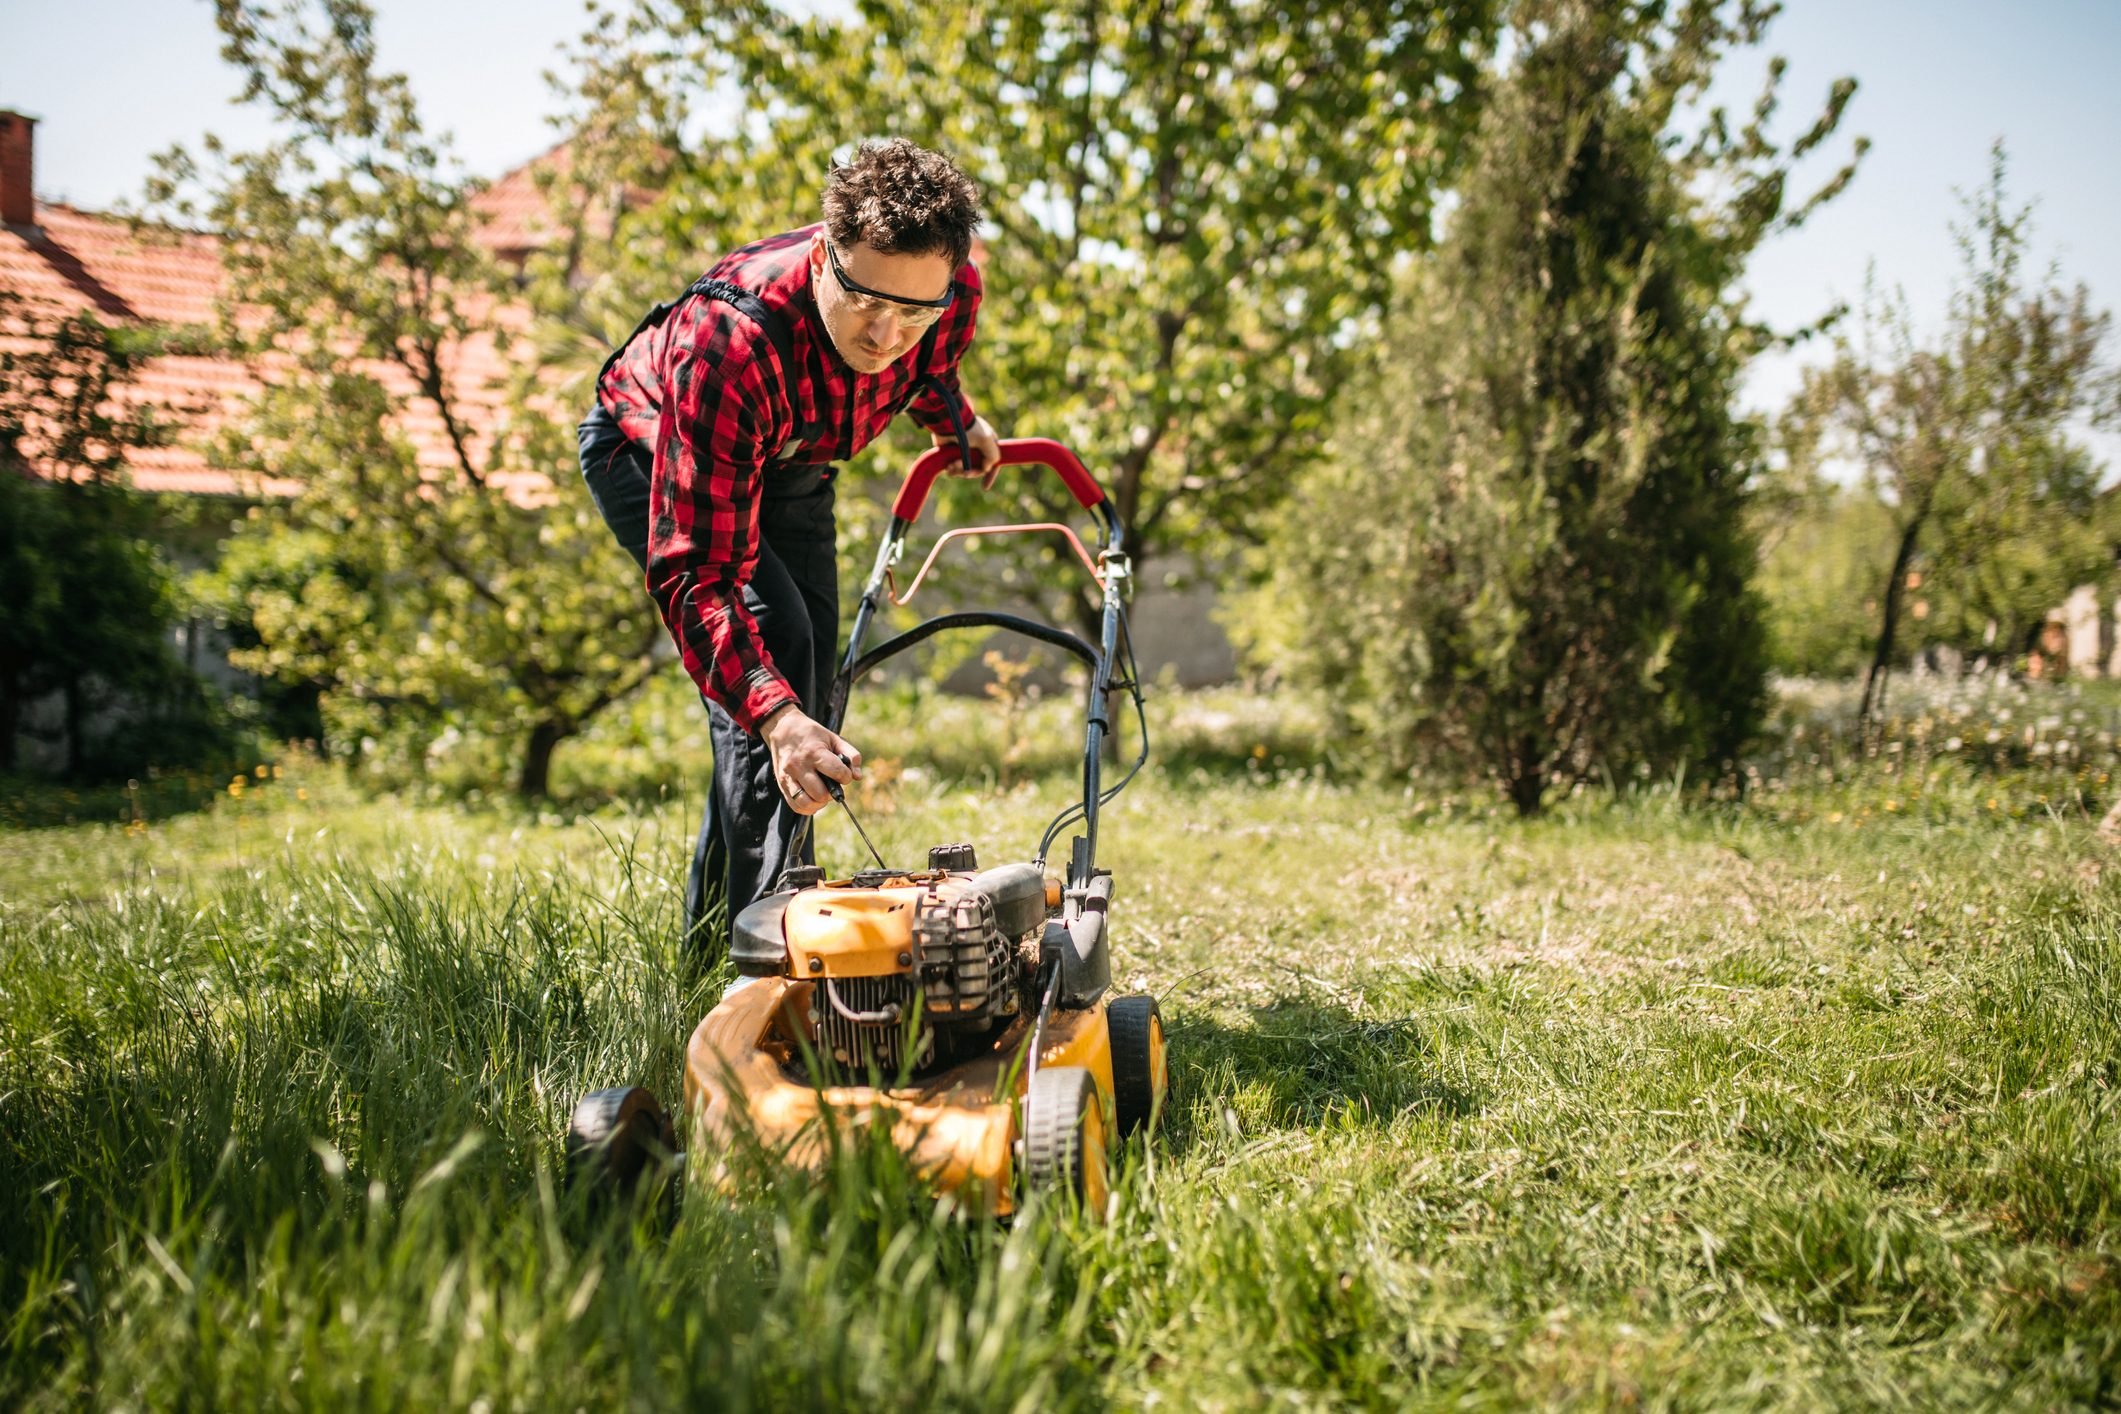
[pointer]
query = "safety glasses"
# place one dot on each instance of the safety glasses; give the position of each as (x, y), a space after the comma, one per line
(914, 313)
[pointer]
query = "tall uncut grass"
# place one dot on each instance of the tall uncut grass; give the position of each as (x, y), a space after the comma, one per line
(1790, 1101)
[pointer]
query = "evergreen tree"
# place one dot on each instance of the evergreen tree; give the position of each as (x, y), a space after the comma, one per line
(1530, 555)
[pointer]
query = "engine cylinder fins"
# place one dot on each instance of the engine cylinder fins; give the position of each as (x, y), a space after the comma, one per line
(885, 1015)
(862, 1023)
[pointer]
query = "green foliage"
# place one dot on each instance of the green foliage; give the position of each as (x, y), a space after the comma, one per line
(1969, 439)
(1530, 556)
(2014, 542)
(1818, 578)
(476, 588)
(89, 599)
(1190, 201)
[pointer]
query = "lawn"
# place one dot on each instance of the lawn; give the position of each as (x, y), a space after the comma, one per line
(1803, 1099)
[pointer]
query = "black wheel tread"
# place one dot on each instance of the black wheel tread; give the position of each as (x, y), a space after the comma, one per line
(1131, 1020)
(613, 1135)
(1053, 1128)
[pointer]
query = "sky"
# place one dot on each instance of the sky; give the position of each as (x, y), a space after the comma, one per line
(1940, 80)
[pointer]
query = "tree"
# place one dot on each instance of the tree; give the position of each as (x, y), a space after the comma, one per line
(89, 600)
(2035, 527)
(1968, 438)
(477, 587)
(1530, 555)
(1816, 574)
(1191, 200)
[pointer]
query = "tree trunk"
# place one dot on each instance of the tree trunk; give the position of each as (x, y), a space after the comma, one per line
(1888, 628)
(535, 780)
(76, 712)
(1528, 781)
(10, 719)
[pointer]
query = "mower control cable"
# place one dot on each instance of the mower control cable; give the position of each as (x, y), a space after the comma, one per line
(840, 795)
(1038, 1026)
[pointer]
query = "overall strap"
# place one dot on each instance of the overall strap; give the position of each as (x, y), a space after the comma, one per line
(774, 323)
(956, 410)
(951, 405)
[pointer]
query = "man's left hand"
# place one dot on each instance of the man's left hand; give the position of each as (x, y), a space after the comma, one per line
(986, 453)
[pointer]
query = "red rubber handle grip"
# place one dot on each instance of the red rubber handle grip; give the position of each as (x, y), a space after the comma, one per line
(1016, 451)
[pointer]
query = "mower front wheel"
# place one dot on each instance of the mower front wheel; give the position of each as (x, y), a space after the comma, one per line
(1064, 1137)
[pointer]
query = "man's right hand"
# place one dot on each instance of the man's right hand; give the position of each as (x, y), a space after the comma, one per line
(806, 757)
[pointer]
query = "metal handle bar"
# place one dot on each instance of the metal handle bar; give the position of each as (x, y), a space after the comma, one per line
(1016, 451)
(965, 532)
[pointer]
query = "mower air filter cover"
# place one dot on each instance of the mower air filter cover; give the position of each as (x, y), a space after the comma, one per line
(1018, 893)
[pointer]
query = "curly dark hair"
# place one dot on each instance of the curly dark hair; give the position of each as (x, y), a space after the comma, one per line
(899, 199)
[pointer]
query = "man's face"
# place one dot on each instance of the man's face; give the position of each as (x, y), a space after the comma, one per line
(871, 332)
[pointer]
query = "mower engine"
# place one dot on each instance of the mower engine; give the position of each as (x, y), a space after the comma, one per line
(909, 970)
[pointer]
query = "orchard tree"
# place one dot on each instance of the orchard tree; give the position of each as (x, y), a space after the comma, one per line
(1192, 202)
(1968, 438)
(1530, 555)
(480, 589)
(1818, 559)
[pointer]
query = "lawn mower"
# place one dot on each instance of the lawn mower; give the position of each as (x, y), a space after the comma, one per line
(963, 1010)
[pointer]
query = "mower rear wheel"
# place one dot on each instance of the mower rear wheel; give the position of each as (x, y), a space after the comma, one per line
(1140, 1071)
(615, 1137)
(1064, 1137)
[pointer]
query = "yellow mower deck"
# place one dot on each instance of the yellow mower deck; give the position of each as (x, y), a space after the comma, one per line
(959, 1128)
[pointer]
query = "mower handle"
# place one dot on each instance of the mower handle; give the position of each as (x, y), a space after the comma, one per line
(1016, 451)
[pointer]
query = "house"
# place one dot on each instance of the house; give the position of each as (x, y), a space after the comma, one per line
(57, 261)
(61, 260)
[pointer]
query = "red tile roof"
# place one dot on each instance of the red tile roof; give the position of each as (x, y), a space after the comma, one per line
(517, 215)
(123, 272)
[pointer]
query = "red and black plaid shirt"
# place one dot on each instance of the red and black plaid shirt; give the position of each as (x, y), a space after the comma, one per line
(705, 389)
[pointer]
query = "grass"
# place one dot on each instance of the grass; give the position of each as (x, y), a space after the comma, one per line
(1792, 1102)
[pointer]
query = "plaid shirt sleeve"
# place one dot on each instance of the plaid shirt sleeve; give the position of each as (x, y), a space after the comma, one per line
(950, 345)
(721, 423)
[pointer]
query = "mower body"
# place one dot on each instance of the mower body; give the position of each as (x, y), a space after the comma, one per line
(964, 1010)
(910, 1001)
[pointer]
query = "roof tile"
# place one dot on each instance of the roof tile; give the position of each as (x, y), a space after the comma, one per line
(125, 271)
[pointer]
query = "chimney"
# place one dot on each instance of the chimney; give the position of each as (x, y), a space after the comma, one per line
(18, 148)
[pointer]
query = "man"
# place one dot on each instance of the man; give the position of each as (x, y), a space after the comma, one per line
(710, 454)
